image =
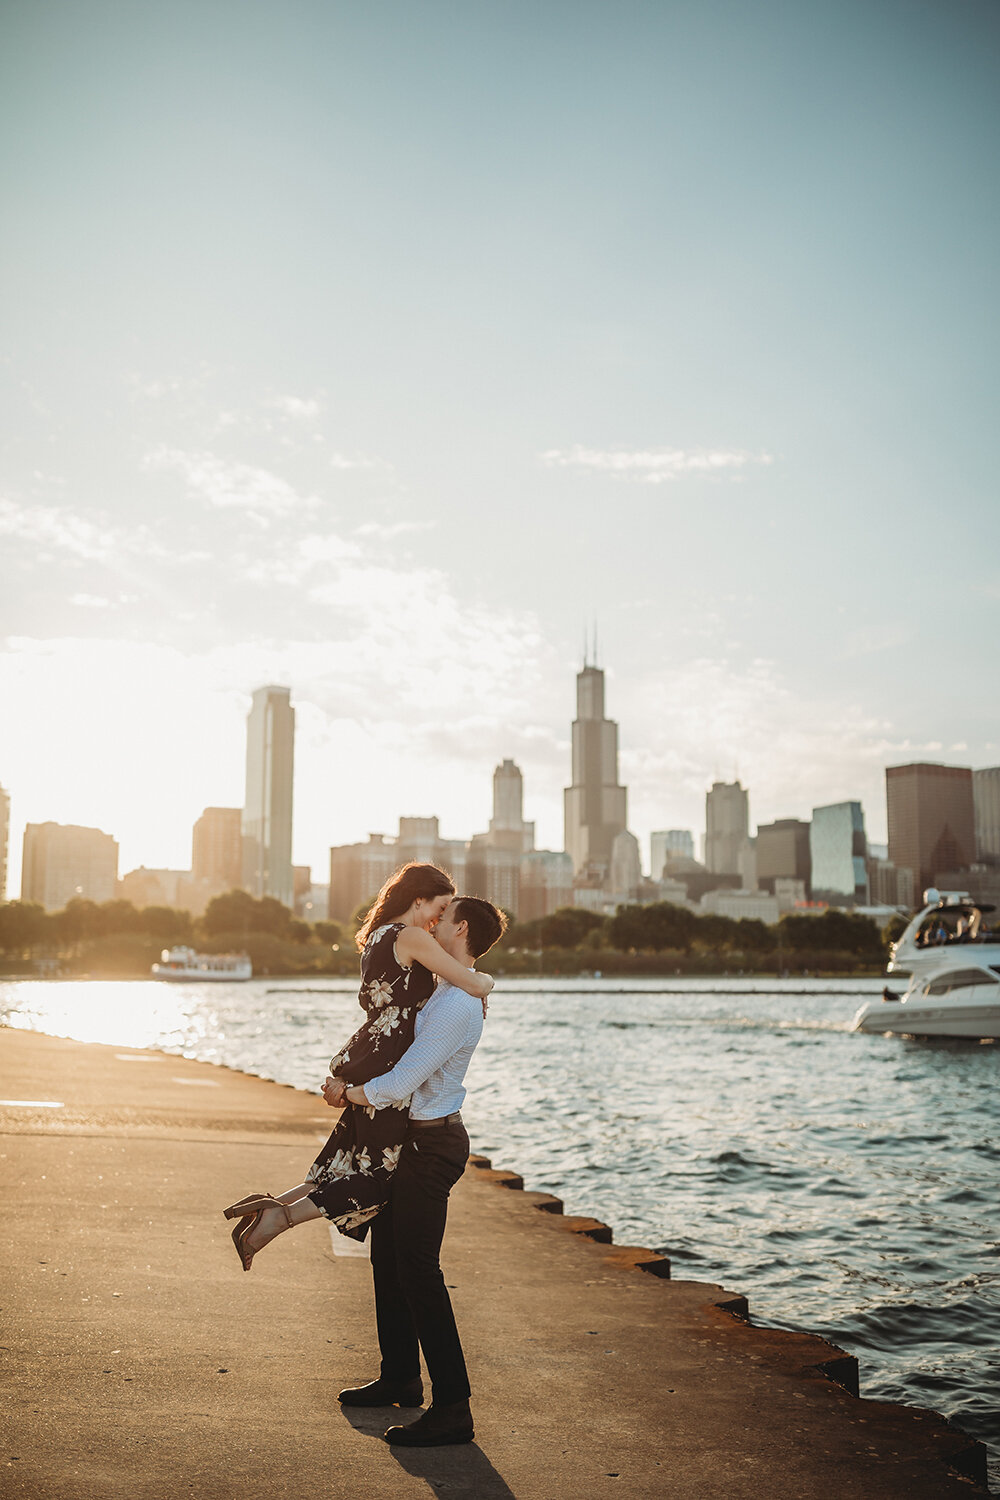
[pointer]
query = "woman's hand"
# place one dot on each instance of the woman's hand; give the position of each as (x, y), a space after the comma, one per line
(480, 986)
(485, 1000)
(334, 1092)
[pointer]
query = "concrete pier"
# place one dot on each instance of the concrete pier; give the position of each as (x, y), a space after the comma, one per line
(141, 1362)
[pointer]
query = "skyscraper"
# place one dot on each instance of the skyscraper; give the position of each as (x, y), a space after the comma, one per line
(4, 838)
(839, 853)
(493, 870)
(986, 805)
(727, 828)
(782, 851)
(595, 804)
(931, 821)
(625, 875)
(62, 861)
(507, 825)
(677, 843)
(267, 809)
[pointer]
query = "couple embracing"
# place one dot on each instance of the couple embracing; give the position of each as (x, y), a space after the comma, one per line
(400, 1146)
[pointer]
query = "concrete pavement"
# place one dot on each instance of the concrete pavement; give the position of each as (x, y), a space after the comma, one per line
(140, 1361)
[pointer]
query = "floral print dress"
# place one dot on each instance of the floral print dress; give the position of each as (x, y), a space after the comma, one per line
(354, 1168)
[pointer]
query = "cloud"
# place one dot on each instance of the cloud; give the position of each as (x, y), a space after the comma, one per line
(342, 461)
(90, 601)
(653, 466)
(302, 408)
(229, 485)
(49, 526)
(387, 529)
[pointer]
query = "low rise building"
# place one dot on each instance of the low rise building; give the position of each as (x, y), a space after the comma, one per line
(156, 888)
(669, 844)
(757, 905)
(545, 884)
(789, 893)
(217, 849)
(358, 872)
(889, 885)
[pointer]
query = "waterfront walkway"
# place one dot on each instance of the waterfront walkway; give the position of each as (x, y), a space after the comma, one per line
(142, 1362)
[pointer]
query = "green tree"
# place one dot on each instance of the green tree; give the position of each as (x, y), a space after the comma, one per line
(329, 932)
(236, 911)
(715, 932)
(894, 928)
(653, 928)
(567, 927)
(167, 925)
(78, 922)
(24, 925)
(753, 936)
(273, 916)
(117, 917)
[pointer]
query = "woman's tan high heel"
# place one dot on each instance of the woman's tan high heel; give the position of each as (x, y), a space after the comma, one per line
(254, 1208)
(247, 1205)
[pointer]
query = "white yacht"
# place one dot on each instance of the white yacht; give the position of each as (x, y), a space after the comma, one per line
(950, 957)
(185, 963)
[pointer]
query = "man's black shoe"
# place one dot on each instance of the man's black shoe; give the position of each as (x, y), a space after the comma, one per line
(384, 1393)
(438, 1425)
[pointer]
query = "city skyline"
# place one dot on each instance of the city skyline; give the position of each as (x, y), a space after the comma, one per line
(254, 842)
(320, 374)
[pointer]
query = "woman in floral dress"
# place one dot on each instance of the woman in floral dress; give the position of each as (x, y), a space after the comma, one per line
(348, 1183)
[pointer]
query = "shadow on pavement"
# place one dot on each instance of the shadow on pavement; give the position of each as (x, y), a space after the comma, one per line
(465, 1469)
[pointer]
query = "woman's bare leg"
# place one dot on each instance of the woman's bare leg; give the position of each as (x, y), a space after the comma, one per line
(295, 1194)
(274, 1221)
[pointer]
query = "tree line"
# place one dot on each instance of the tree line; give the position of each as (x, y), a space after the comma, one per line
(120, 937)
(661, 927)
(115, 936)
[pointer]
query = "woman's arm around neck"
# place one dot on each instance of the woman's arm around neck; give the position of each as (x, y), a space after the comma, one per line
(415, 945)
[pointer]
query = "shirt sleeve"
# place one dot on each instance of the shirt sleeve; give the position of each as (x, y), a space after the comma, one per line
(440, 1037)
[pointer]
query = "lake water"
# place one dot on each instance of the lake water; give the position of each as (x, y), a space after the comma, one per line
(846, 1184)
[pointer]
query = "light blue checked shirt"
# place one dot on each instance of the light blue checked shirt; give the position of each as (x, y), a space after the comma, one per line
(433, 1069)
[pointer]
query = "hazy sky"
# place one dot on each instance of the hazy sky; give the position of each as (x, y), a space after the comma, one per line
(374, 349)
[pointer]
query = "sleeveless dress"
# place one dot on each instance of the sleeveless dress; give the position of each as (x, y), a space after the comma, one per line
(354, 1168)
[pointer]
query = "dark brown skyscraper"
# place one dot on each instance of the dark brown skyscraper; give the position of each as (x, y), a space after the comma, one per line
(783, 852)
(931, 821)
(594, 805)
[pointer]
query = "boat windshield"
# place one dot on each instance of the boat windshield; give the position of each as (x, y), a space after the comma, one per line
(959, 979)
(957, 924)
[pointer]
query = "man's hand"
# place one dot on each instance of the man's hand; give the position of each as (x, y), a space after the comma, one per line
(334, 1090)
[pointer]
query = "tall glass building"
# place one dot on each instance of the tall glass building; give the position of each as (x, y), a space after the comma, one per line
(267, 811)
(838, 851)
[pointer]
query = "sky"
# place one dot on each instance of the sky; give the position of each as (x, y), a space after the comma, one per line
(382, 351)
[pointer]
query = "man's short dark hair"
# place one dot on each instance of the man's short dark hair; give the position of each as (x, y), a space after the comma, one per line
(487, 923)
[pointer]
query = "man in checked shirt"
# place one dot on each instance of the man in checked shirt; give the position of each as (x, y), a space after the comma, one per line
(412, 1308)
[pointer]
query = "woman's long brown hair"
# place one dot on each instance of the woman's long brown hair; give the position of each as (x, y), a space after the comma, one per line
(399, 893)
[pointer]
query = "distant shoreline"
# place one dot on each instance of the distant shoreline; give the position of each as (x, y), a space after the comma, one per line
(132, 978)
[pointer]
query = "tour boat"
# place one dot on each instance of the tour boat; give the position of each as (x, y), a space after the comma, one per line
(952, 962)
(185, 963)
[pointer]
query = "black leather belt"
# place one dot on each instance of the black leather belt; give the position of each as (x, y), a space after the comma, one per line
(455, 1119)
